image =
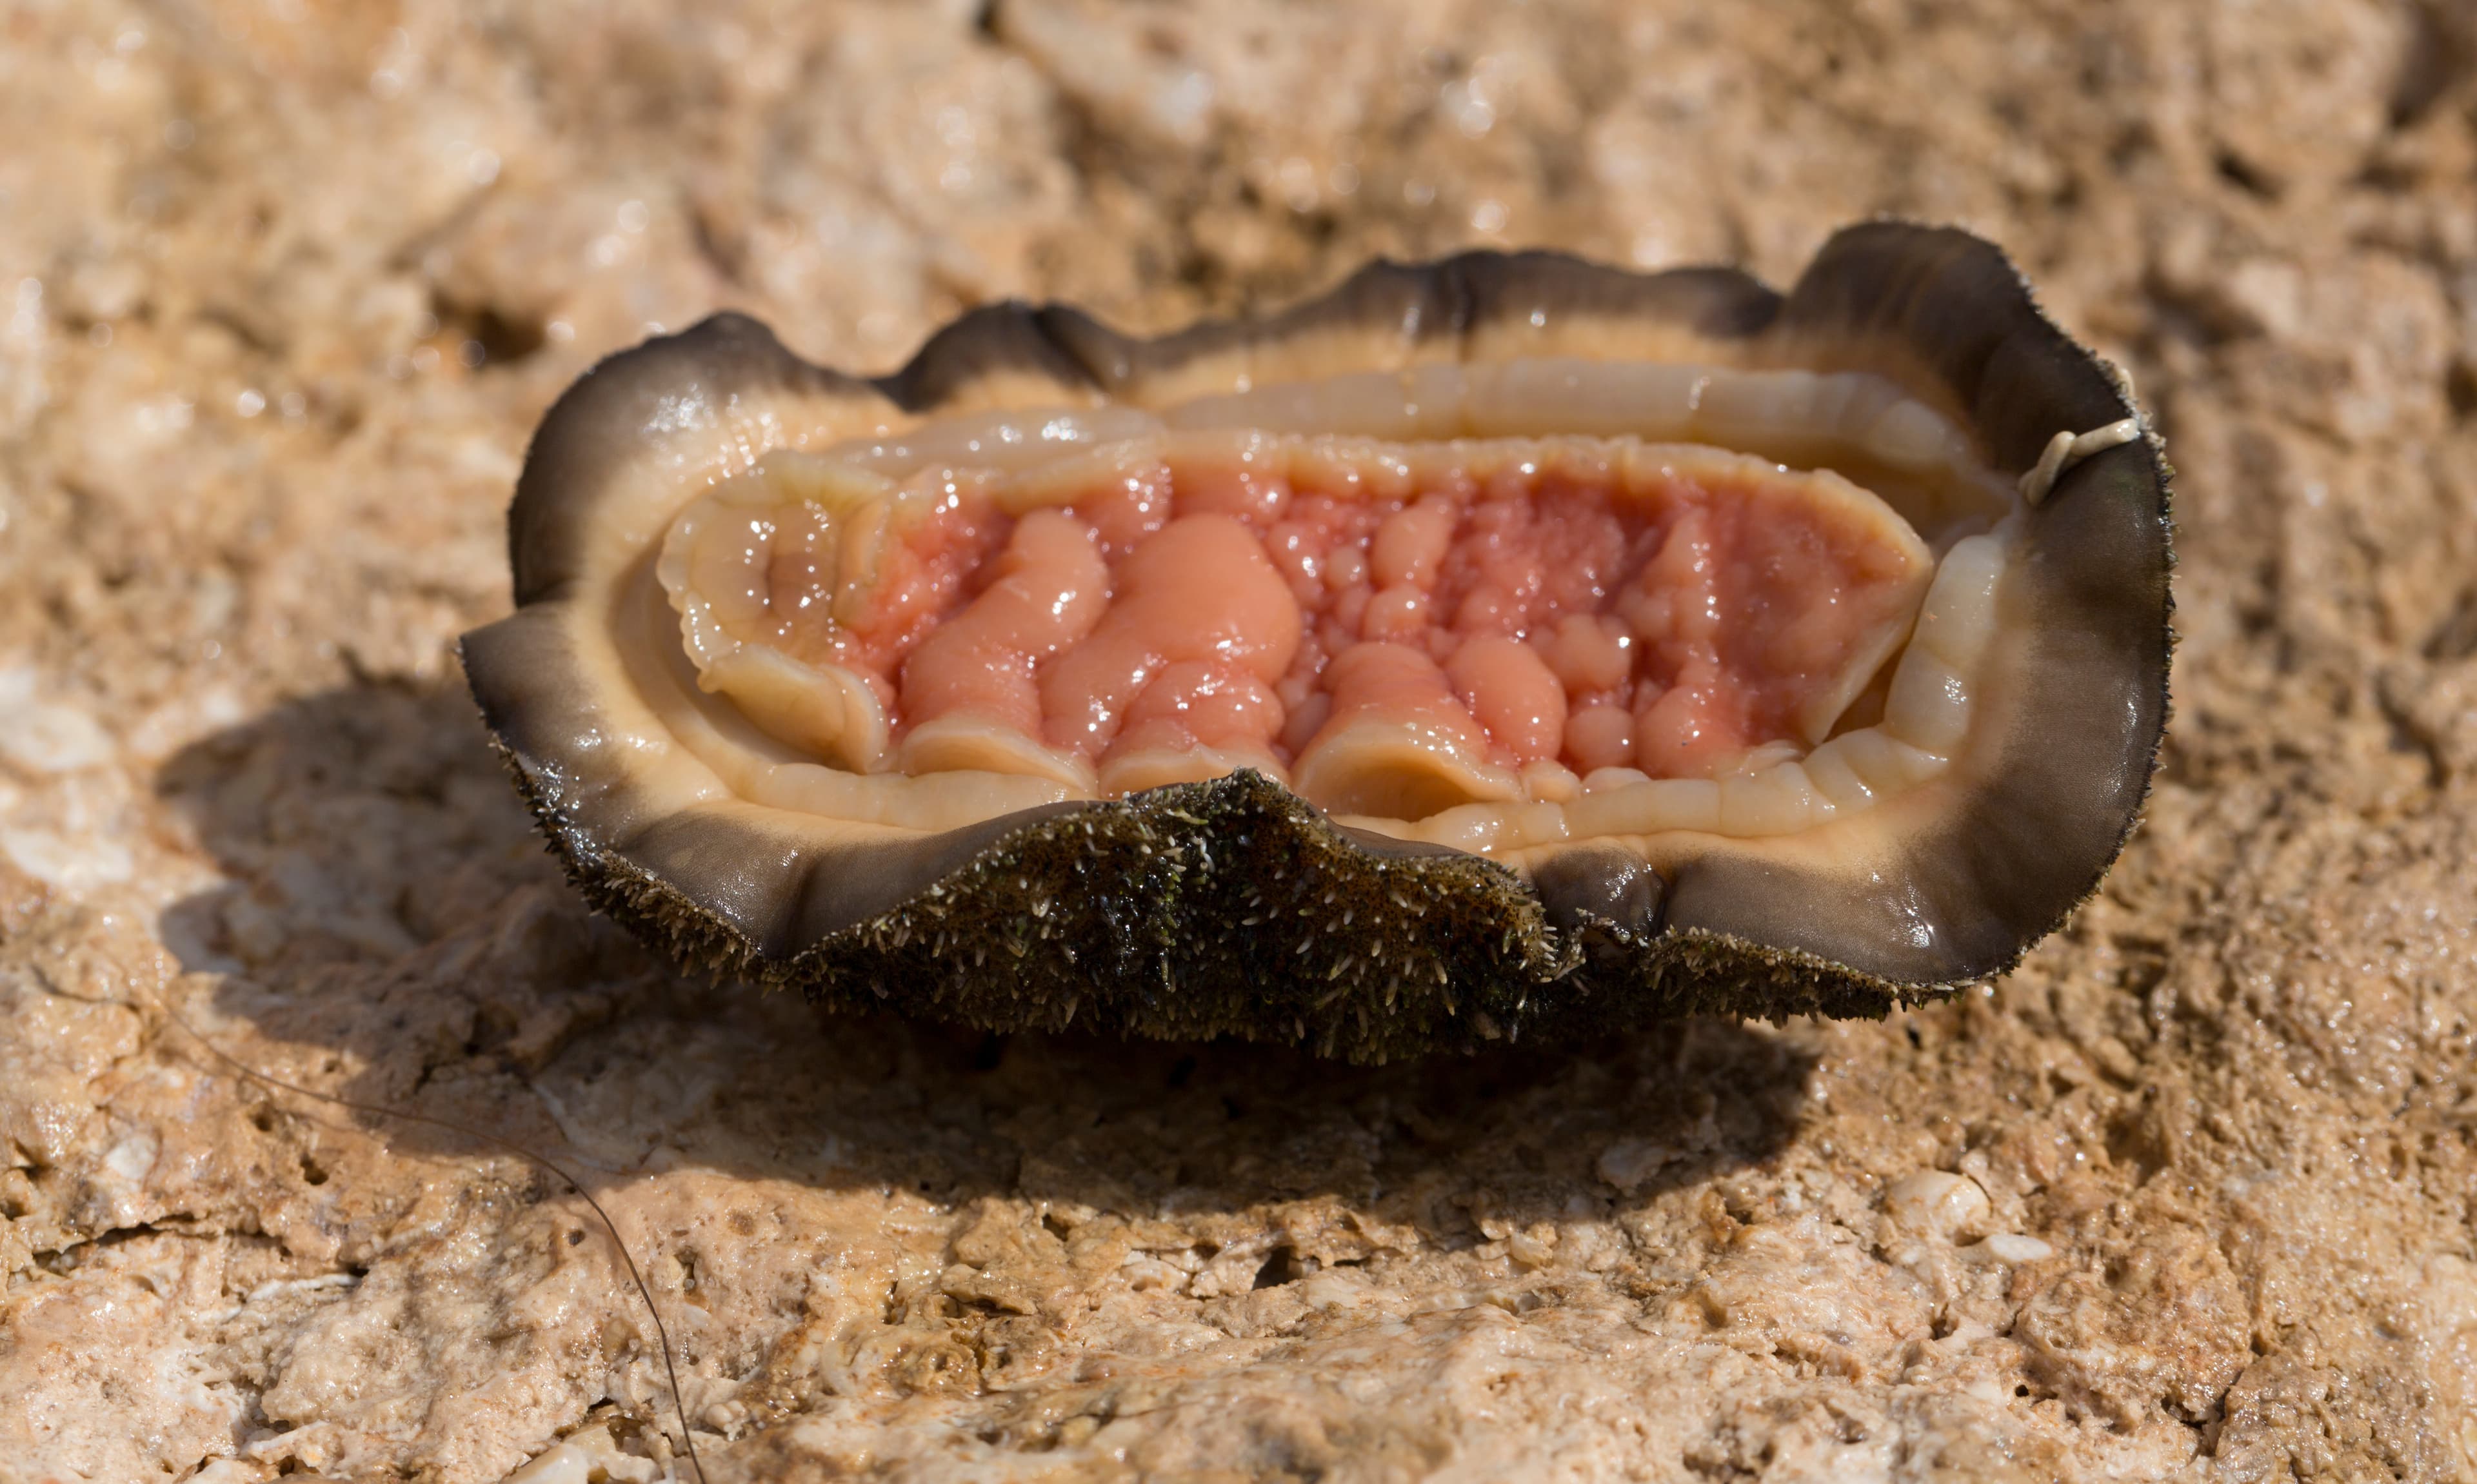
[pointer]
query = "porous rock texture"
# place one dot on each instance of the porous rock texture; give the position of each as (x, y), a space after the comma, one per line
(283, 287)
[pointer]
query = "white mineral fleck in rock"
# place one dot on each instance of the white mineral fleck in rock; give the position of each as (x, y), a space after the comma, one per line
(73, 863)
(1935, 1204)
(47, 736)
(585, 1457)
(1629, 1164)
(2010, 1246)
(132, 1156)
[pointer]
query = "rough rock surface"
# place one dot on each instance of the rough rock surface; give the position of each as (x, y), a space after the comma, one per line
(282, 290)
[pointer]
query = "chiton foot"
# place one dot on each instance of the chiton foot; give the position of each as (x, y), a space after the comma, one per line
(1506, 644)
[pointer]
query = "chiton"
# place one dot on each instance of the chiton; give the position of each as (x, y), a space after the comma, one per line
(1500, 645)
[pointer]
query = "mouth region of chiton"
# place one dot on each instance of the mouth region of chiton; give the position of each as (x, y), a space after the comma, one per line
(1492, 643)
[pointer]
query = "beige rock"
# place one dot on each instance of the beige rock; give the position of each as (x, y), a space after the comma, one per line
(282, 290)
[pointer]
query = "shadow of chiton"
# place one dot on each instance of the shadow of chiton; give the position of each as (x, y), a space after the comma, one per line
(1502, 645)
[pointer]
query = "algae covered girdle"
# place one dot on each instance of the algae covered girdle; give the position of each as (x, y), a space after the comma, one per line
(1496, 646)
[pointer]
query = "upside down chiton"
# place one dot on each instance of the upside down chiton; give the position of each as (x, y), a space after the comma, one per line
(1500, 645)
